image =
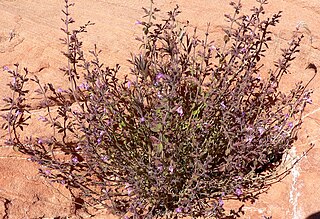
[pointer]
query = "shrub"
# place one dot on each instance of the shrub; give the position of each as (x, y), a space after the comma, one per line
(193, 123)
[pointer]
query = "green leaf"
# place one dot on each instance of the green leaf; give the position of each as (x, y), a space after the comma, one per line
(160, 147)
(122, 124)
(157, 128)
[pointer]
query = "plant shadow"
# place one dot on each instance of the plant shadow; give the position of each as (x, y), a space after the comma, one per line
(314, 216)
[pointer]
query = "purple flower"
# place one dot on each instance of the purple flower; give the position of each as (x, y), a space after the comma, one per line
(309, 100)
(249, 138)
(159, 76)
(106, 191)
(40, 141)
(84, 86)
(261, 130)
(223, 106)
(43, 119)
(220, 202)
(180, 111)
(290, 125)
(243, 50)
(276, 127)
(171, 169)
(212, 48)
(78, 148)
(137, 22)
(5, 68)
(104, 158)
(178, 210)
(159, 95)
(129, 188)
(238, 192)
(60, 90)
(31, 159)
(99, 140)
(129, 84)
(160, 167)
(238, 178)
(47, 172)
(18, 113)
(142, 119)
(75, 160)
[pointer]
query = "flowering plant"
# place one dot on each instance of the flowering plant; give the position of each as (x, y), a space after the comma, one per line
(192, 124)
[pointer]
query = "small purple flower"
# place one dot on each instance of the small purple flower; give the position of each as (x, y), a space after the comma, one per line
(178, 210)
(129, 188)
(18, 113)
(31, 159)
(43, 119)
(238, 178)
(243, 50)
(249, 129)
(99, 140)
(261, 130)
(40, 141)
(78, 148)
(106, 191)
(138, 22)
(276, 127)
(223, 106)
(142, 119)
(238, 192)
(160, 167)
(104, 158)
(180, 111)
(60, 90)
(5, 68)
(159, 76)
(129, 84)
(84, 86)
(249, 138)
(171, 169)
(47, 172)
(220, 202)
(159, 95)
(75, 160)
(309, 100)
(212, 48)
(290, 125)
